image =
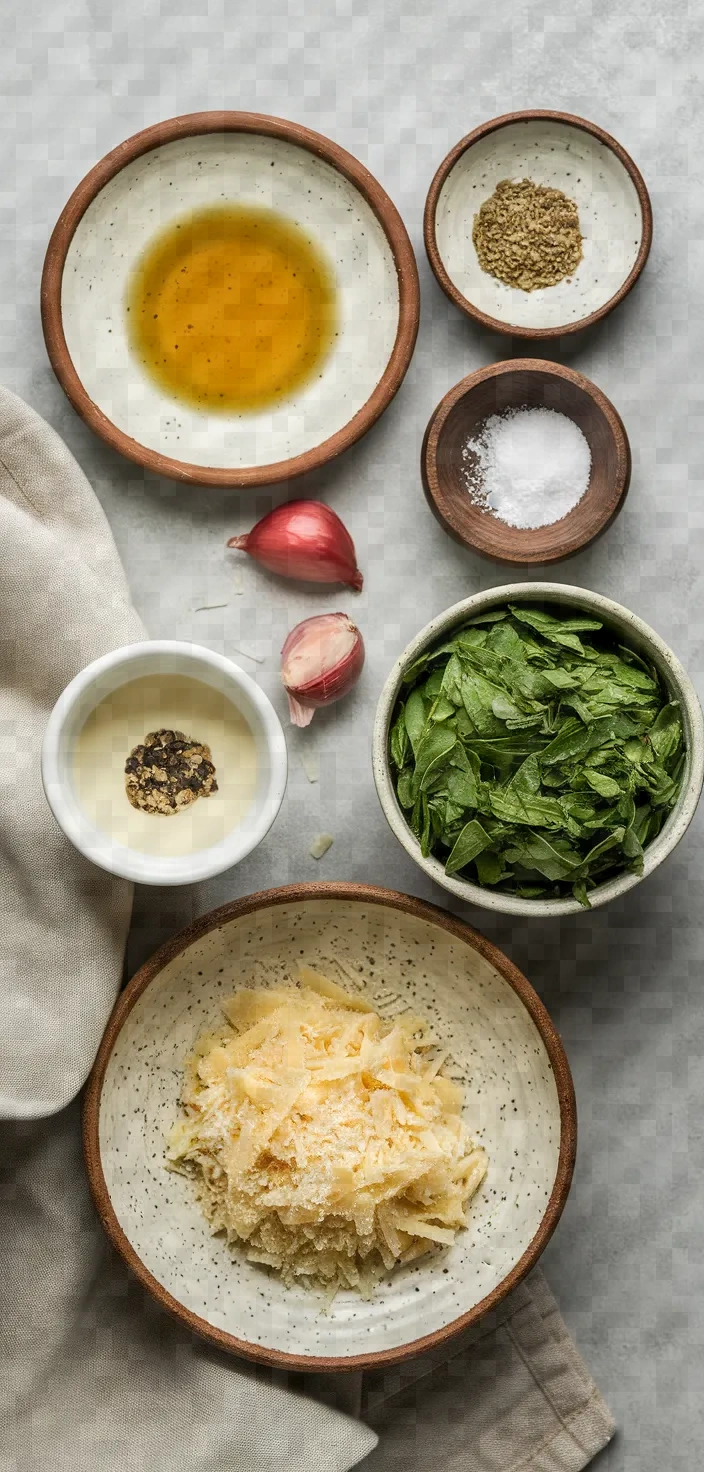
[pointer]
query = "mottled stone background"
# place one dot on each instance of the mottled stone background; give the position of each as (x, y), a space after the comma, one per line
(398, 86)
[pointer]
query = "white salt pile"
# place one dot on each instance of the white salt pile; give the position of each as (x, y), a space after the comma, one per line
(528, 466)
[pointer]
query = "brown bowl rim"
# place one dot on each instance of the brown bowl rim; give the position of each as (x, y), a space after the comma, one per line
(192, 125)
(364, 894)
(454, 526)
(535, 115)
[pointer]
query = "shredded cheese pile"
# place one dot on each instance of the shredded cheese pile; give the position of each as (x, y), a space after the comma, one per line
(324, 1139)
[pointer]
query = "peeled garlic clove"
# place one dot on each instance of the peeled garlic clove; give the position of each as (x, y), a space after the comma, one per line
(321, 660)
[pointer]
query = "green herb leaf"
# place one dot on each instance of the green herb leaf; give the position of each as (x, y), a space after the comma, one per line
(535, 753)
(492, 616)
(452, 680)
(478, 696)
(462, 788)
(471, 841)
(399, 744)
(665, 734)
(572, 741)
(561, 679)
(414, 717)
(601, 783)
(489, 867)
(442, 710)
(556, 630)
(425, 826)
(536, 853)
(434, 746)
(613, 840)
(405, 788)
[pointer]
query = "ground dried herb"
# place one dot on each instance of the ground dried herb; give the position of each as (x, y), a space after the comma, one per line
(168, 772)
(528, 235)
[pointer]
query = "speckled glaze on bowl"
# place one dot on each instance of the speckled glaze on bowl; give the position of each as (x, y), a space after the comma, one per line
(635, 633)
(399, 951)
(197, 161)
(563, 152)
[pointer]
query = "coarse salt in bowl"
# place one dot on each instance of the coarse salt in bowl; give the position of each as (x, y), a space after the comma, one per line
(454, 475)
(529, 467)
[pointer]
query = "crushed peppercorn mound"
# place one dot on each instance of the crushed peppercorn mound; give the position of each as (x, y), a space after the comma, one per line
(168, 772)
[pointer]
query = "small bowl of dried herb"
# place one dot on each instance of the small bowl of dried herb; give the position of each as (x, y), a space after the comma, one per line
(538, 749)
(537, 224)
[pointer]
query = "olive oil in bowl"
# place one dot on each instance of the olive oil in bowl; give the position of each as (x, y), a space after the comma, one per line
(232, 309)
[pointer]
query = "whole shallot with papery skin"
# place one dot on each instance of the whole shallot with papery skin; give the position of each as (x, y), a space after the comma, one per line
(306, 540)
(321, 660)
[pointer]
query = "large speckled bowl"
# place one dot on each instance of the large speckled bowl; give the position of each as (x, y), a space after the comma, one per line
(559, 151)
(197, 161)
(400, 952)
(635, 633)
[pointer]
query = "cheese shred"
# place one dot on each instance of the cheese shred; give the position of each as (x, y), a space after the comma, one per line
(324, 1141)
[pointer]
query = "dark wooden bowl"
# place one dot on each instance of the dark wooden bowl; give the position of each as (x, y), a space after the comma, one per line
(524, 383)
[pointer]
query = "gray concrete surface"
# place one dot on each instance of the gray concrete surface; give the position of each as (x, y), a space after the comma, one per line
(398, 84)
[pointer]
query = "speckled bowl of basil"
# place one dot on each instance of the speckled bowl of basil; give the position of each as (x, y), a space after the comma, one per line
(538, 749)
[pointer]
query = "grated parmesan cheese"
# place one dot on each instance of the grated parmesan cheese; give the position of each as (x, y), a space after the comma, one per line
(322, 1139)
(320, 845)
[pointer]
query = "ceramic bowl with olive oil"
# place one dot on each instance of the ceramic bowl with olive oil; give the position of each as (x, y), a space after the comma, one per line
(230, 299)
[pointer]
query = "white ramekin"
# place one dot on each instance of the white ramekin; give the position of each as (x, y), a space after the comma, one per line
(635, 633)
(101, 678)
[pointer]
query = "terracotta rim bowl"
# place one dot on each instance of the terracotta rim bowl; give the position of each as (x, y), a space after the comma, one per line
(89, 251)
(525, 383)
(395, 948)
(636, 633)
(615, 207)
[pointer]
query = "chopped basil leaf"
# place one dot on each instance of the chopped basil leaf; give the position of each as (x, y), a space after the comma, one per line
(535, 753)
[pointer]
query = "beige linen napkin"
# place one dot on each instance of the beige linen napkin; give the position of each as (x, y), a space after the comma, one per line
(95, 1378)
(63, 601)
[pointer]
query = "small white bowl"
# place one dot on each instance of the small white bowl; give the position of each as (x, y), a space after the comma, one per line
(100, 679)
(635, 633)
(563, 152)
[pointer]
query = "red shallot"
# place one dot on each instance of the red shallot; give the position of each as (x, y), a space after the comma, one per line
(321, 660)
(306, 540)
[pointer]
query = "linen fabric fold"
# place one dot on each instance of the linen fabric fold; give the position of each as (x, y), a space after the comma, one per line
(64, 601)
(97, 1378)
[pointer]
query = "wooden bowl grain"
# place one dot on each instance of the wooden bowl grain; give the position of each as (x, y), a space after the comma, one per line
(524, 383)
